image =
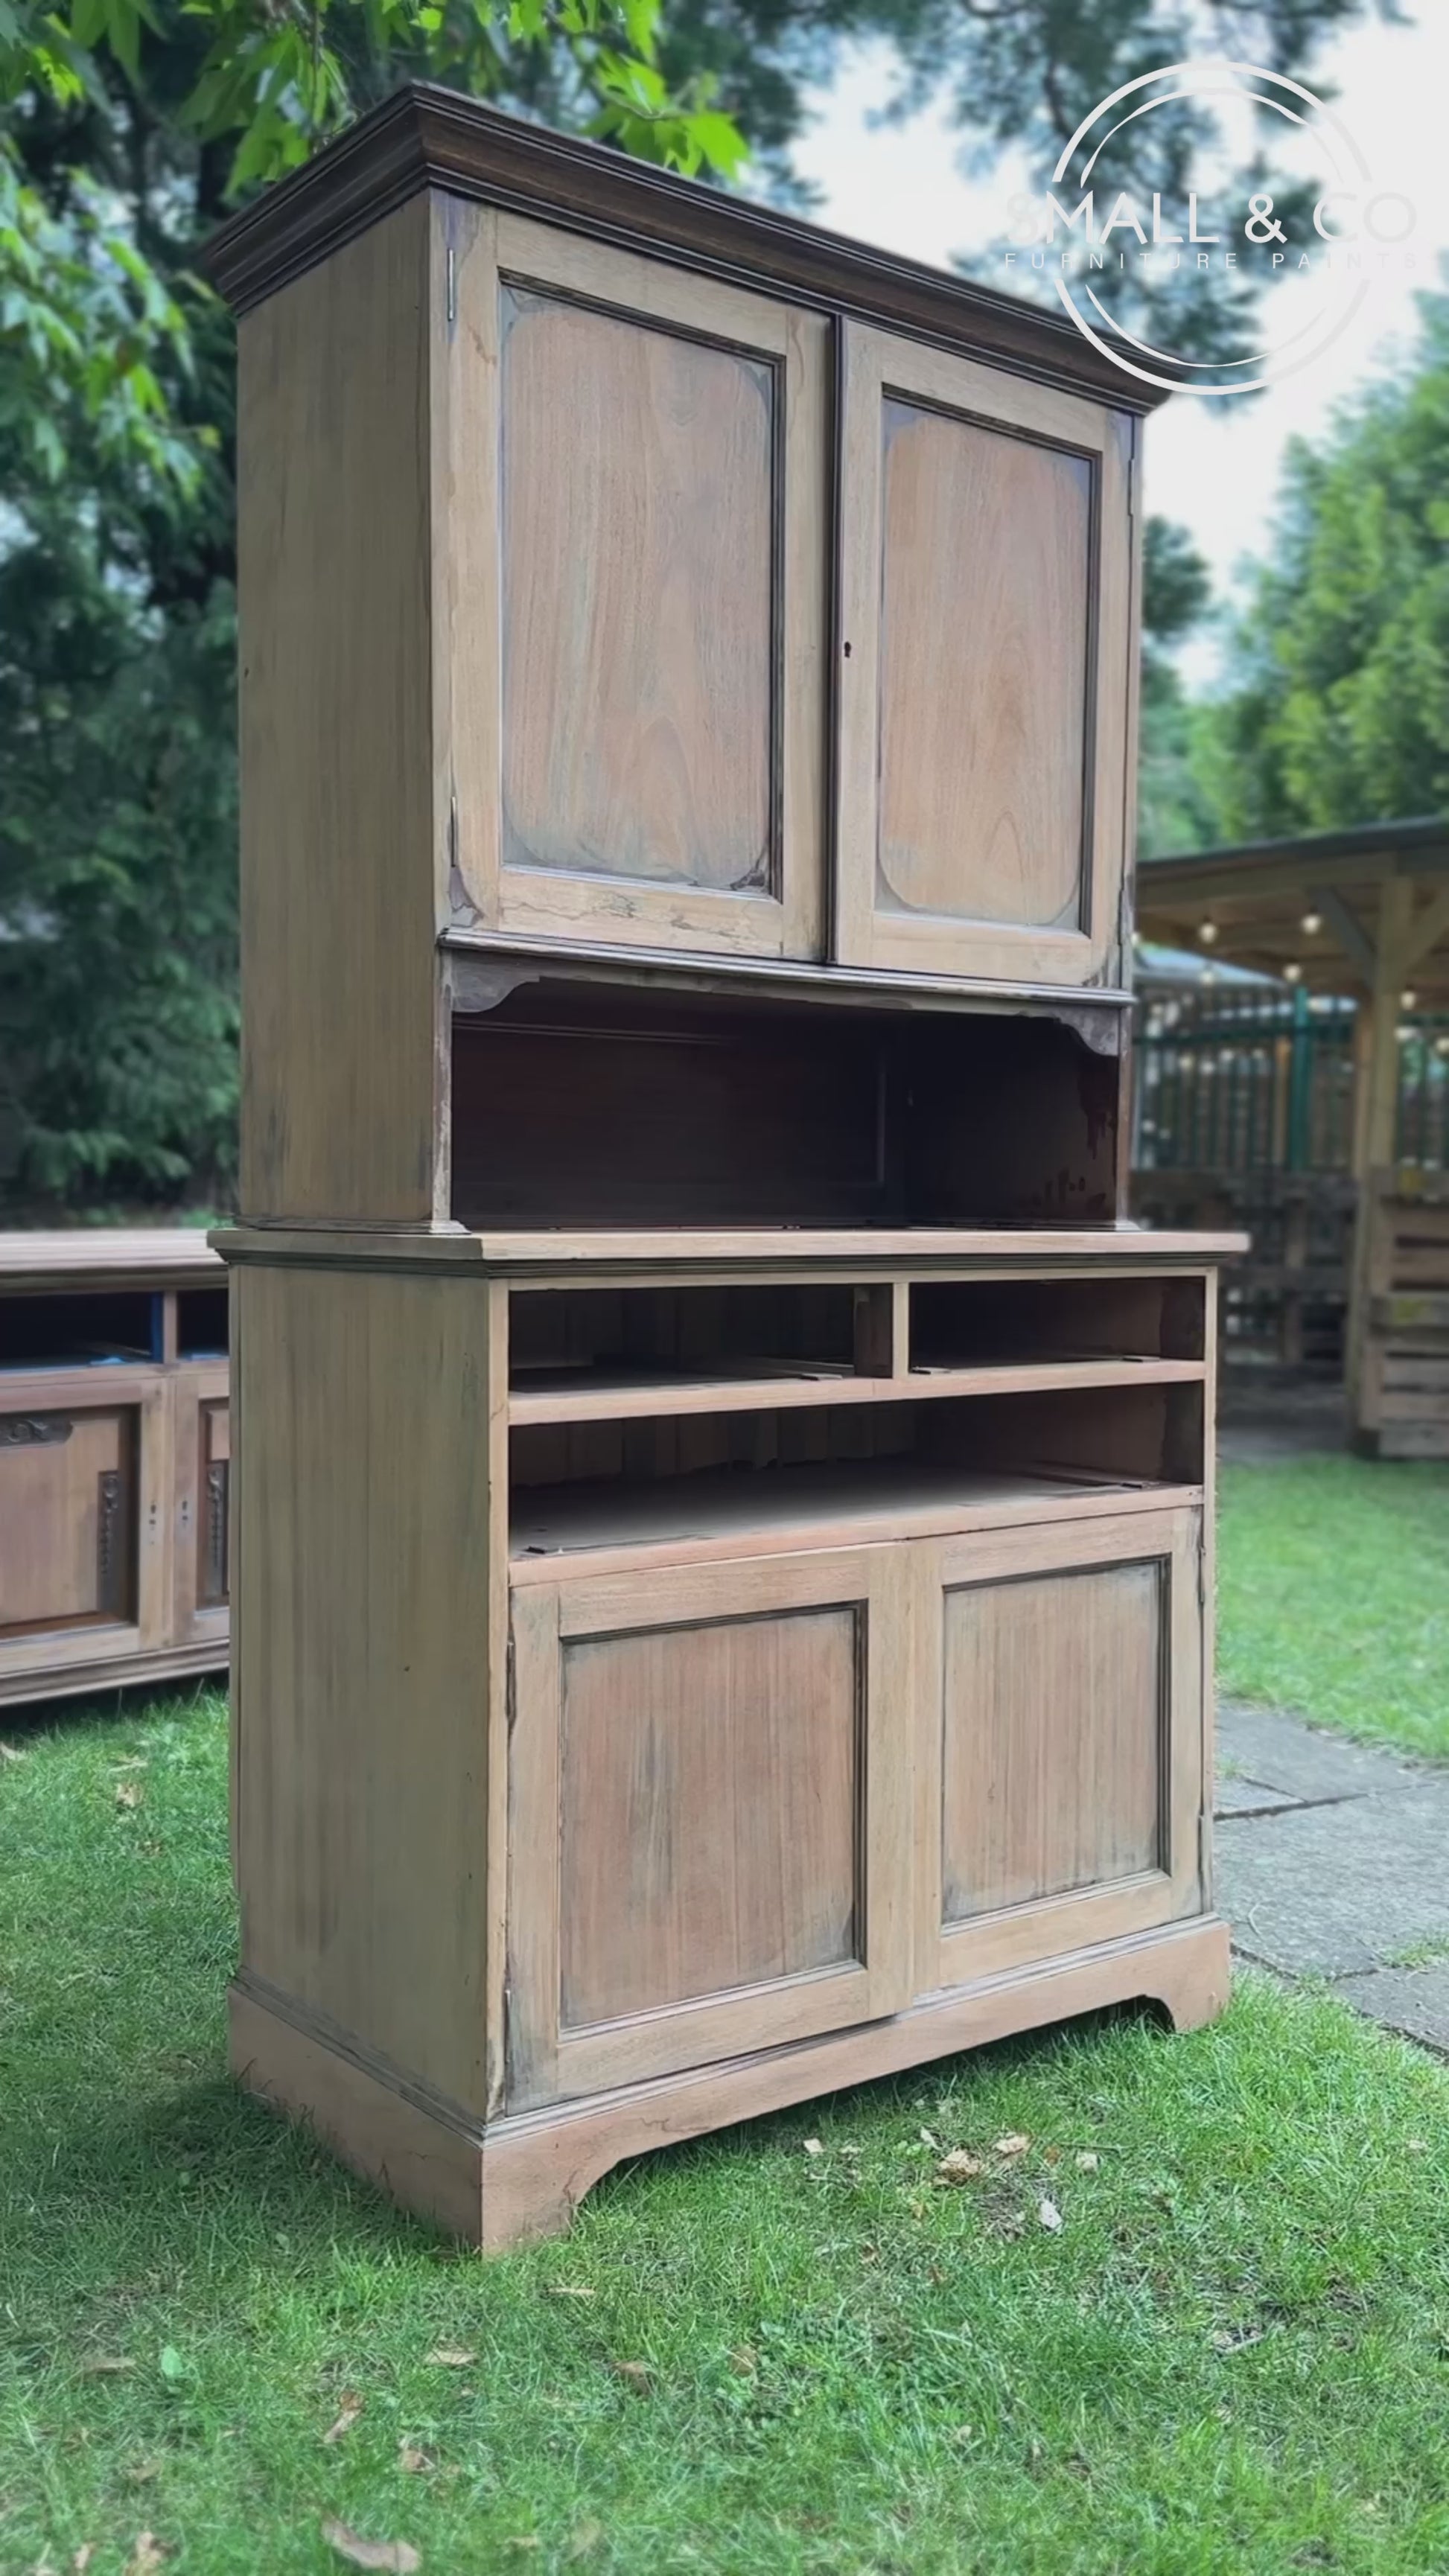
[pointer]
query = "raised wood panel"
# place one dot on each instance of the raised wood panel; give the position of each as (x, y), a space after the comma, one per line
(637, 479)
(630, 683)
(67, 1517)
(709, 1811)
(985, 580)
(984, 670)
(709, 1780)
(342, 1070)
(1053, 1735)
(1065, 1747)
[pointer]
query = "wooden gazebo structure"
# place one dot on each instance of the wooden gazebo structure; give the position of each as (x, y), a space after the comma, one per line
(1363, 912)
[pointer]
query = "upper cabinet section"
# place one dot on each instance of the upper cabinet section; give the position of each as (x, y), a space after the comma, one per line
(637, 580)
(985, 670)
(758, 599)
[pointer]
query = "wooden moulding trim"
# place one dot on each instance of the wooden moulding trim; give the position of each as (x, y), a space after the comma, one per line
(545, 1257)
(499, 2184)
(429, 137)
(486, 966)
(169, 1258)
(111, 1672)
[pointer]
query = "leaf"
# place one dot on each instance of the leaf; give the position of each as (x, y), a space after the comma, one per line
(451, 2356)
(398, 2556)
(14, 1753)
(586, 2538)
(347, 2415)
(813, 2147)
(927, 2139)
(959, 2166)
(1088, 2161)
(416, 2462)
(1015, 2144)
(82, 2558)
(105, 2365)
(148, 2554)
(128, 1793)
(1049, 2216)
(636, 2375)
(173, 2367)
(744, 2360)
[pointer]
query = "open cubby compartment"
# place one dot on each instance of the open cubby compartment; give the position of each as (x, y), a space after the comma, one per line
(201, 1324)
(77, 1331)
(737, 1483)
(595, 1104)
(966, 1323)
(594, 1344)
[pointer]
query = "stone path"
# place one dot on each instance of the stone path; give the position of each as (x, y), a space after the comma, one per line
(1332, 1860)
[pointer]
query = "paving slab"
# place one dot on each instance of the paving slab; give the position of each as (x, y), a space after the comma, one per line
(1250, 1798)
(1413, 2001)
(1303, 1762)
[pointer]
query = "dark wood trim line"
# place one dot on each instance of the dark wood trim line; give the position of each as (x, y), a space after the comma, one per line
(427, 137)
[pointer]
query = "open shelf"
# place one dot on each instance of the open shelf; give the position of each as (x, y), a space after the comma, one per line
(738, 1511)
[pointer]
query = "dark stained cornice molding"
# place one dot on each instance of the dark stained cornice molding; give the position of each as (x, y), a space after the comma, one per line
(426, 137)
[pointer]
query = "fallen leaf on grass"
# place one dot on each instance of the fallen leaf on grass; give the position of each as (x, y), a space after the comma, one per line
(1225, 2340)
(568, 2290)
(587, 2537)
(451, 2356)
(1015, 2144)
(1088, 2161)
(1050, 2216)
(82, 2559)
(128, 1793)
(394, 2557)
(105, 2365)
(14, 1753)
(635, 2374)
(959, 2166)
(745, 2360)
(813, 2147)
(409, 2457)
(141, 2473)
(347, 2415)
(148, 2554)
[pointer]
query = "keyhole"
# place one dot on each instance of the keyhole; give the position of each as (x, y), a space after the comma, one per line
(847, 652)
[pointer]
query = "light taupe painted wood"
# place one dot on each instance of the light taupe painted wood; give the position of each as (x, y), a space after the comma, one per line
(1052, 1766)
(341, 1059)
(524, 2177)
(361, 1706)
(986, 567)
(648, 1255)
(68, 1515)
(637, 473)
(633, 668)
(984, 670)
(709, 1815)
(1062, 1774)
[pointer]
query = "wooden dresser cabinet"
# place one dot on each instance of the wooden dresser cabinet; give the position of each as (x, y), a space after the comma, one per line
(114, 1460)
(723, 1508)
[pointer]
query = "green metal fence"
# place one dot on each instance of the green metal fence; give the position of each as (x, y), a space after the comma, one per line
(1262, 1081)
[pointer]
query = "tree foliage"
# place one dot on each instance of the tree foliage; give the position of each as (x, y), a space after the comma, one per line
(127, 130)
(1339, 710)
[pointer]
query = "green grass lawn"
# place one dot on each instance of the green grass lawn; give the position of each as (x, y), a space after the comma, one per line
(1233, 2354)
(1333, 1595)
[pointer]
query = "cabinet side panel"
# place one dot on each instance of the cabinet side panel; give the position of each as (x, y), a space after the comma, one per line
(340, 1068)
(362, 1491)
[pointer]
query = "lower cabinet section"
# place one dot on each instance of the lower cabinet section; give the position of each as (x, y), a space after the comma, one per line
(755, 1802)
(110, 1571)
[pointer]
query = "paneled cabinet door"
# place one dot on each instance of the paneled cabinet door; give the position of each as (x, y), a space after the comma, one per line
(709, 1806)
(1062, 1775)
(203, 1503)
(984, 670)
(636, 552)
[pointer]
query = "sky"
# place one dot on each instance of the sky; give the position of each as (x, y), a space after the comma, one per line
(1213, 465)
